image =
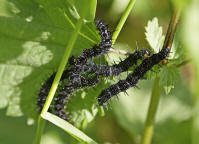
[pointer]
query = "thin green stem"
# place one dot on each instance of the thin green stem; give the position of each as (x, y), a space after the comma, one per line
(122, 20)
(61, 68)
(172, 29)
(195, 127)
(40, 127)
(80, 33)
(57, 79)
(149, 124)
(93, 8)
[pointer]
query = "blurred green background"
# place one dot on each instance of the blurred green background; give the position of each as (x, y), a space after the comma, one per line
(124, 122)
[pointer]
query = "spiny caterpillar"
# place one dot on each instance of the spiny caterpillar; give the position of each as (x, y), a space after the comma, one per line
(46, 88)
(96, 51)
(133, 78)
(116, 69)
(63, 95)
(60, 102)
(74, 73)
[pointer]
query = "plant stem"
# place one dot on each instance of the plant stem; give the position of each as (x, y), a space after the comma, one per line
(61, 68)
(172, 29)
(40, 127)
(156, 92)
(93, 8)
(57, 79)
(195, 127)
(149, 124)
(122, 20)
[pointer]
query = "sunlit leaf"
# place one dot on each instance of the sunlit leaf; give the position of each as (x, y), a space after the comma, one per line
(154, 35)
(33, 37)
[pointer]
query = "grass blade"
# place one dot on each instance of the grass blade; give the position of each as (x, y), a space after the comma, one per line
(73, 131)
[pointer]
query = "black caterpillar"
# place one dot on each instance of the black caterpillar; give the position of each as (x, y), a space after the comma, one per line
(96, 51)
(132, 79)
(76, 81)
(60, 102)
(116, 69)
(46, 88)
(63, 96)
(66, 92)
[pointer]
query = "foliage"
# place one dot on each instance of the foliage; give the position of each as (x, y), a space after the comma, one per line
(33, 37)
(154, 35)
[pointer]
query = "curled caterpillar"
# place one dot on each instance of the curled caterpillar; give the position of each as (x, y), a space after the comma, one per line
(66, 92)
(132, 79)
(46, 88)
(60, 101)
(97, 50)
(116, 69)
(76, 81)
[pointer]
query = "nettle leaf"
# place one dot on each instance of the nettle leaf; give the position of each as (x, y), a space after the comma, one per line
(169, 75)
(154, 35)
(178, 52)
(33, 37)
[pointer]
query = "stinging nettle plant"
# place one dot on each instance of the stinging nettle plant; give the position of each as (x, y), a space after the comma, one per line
(42, 35)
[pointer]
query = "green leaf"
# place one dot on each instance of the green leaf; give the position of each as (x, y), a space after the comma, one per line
(73, 131)
(169, 75)
(154, 35)
(178, 53)
(33, 36)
